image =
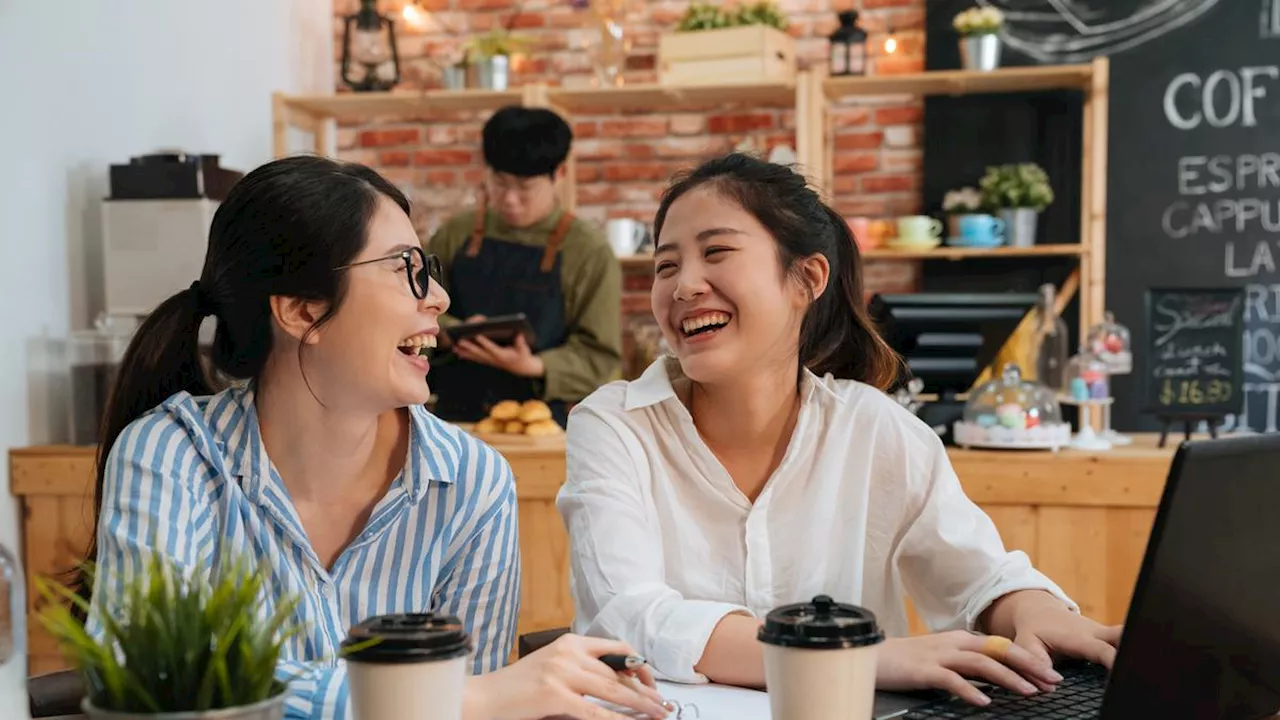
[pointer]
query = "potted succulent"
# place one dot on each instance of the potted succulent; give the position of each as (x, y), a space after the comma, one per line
(1019, 192)
(488, 58)
(958, 203)
(979, 30)
(176, 647)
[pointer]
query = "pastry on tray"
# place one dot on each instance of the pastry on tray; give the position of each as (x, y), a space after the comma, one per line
(534, 410)
(543, 428)
(505, 410)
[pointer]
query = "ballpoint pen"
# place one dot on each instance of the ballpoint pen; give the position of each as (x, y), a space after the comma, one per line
(622, 663)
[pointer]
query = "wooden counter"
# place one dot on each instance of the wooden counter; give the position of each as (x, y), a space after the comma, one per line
(54, 488)
(1083, 517)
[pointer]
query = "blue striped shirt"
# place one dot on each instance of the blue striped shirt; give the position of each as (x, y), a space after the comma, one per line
(194, 475)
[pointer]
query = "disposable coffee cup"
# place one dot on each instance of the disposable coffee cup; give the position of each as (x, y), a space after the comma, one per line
(820, 660)
(411, 665)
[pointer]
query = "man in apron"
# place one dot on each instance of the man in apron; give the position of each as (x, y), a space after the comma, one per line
(520, 252)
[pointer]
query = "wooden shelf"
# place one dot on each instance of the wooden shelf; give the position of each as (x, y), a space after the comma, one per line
(938, 253)
(666, 97)
(958, 253)
(962, 82)
(347, 105)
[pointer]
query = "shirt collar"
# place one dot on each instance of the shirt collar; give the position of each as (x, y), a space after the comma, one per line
(656, 385)
(249, 461)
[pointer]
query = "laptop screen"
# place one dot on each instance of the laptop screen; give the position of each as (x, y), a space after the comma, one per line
(1202, 638)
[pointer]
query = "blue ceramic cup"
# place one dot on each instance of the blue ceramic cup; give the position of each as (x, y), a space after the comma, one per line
(981, 230)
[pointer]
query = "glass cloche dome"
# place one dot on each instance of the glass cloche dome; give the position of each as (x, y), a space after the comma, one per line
(1010, 412)
(1110, 342)
(1088, 377)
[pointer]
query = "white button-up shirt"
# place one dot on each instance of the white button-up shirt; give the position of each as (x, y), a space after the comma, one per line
(864, 507)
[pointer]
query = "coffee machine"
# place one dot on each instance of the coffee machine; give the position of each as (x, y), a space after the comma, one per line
(155, 229)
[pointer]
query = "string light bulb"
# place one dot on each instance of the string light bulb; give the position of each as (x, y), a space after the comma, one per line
(415, 16)
(891, 43)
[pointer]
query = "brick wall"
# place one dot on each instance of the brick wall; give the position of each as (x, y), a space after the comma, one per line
(624, 160)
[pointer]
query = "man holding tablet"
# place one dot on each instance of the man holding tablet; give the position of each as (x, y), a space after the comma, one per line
(520, 253)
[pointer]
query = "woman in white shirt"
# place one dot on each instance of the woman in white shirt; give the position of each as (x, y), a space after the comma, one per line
(763, 464)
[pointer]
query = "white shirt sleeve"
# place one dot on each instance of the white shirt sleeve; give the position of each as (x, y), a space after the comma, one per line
(953, 562)
(616, 559)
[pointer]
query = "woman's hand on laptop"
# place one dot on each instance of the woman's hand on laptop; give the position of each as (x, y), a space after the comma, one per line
(1046, 627)
(946, 661)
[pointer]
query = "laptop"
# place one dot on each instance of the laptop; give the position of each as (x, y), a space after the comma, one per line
(1202, 636)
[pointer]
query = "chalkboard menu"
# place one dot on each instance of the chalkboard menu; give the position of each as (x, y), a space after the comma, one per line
(1193, 200)
(1192, 359)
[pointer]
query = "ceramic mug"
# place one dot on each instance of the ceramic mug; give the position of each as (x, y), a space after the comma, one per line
(919, 229)
(981, 230)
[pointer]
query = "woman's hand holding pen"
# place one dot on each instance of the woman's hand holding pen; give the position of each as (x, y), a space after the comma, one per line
(554, 680)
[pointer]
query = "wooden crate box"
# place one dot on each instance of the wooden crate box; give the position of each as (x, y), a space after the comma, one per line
(751, 54)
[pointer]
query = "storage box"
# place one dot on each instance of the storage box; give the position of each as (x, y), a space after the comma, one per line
(750, 54)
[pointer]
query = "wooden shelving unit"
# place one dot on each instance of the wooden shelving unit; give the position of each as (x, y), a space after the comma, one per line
(811, 95)
(957, 253)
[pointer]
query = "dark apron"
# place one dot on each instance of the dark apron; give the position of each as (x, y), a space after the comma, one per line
(494, 277)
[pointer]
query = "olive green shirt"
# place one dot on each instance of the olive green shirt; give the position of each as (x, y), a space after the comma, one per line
(591, 280)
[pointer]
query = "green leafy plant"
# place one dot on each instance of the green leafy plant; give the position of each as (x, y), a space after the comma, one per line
(711, 16)
(497, 42)
(978, 21)
(1023, 185)
(174, 643)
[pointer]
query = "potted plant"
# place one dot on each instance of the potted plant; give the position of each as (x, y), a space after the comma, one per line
(979, 30)
(1019, 192)
(176, 647)
(488, 58)
(958, 203)
(711, 16)
(712, 44)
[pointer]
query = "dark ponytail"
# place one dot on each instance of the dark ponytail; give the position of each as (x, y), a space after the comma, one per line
(837, 335)
(282, 231)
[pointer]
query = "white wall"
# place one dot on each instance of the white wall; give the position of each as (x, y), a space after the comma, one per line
(92, 83)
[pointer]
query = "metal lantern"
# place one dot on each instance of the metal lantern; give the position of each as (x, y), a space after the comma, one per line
(369, 39)
(848, 46)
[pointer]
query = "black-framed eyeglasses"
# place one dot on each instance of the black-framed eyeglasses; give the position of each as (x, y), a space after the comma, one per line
(419, 267)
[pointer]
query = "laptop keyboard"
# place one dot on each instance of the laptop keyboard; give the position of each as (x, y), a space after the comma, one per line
(1077, 697)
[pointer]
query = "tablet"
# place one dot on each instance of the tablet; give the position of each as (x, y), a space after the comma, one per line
(502, 330)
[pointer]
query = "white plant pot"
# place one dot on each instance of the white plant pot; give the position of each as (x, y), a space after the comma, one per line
(980, 52)
(269, 709)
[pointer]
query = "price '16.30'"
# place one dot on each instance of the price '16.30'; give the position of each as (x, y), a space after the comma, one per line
(1195, 392)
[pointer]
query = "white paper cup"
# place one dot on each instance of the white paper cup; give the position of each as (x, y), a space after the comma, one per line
(820, 661)
(417, 667)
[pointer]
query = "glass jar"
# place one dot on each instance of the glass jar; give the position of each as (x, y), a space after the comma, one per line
(1087, 377)
(1051, 340)
(93, 358)
(1110, 342)
(1010, 412)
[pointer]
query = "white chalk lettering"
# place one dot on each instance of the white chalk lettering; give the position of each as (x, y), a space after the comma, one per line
(1224, 98)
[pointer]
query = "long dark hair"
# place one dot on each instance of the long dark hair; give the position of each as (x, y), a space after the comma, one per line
(837, 335)
(282, 230)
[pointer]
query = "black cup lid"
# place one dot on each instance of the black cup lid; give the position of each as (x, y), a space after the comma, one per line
(406, 638)
(820, 624)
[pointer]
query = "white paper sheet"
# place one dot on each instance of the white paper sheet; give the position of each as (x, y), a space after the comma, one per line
(709, 702)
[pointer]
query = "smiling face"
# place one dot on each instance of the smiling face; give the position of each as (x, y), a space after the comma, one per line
(368, 353)
(720, 294)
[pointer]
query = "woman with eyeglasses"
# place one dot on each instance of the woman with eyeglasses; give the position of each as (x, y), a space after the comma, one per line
(319, 457)
(519, 251)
